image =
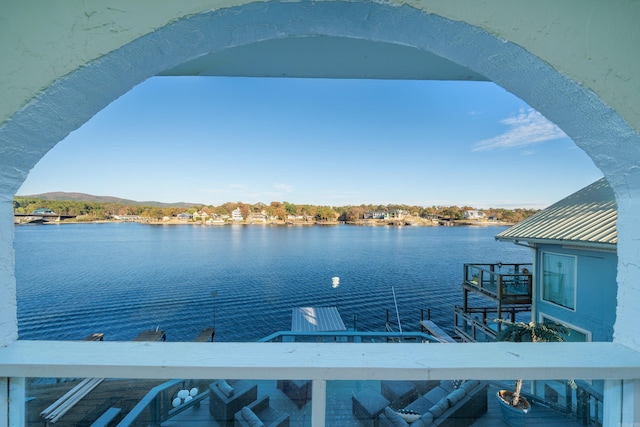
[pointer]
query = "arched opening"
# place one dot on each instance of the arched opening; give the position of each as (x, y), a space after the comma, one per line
(74, 99)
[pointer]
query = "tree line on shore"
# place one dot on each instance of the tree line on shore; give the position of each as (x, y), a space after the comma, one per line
(95, 211)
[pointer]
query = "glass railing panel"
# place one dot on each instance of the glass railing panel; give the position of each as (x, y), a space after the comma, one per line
(137, 402)
(461, 402)
(81, 401)
(180, 402)
(516, 284)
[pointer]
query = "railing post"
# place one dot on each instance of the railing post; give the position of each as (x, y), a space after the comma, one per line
(631, 402)
(12, 402)
(612, 411)
(318, 403)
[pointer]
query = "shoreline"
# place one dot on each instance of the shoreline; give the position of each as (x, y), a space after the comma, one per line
(361, 223)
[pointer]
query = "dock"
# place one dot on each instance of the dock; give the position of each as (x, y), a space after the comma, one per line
(95, 337)
(206, 335)
(157, 335)
(436, 331)
(316, 319)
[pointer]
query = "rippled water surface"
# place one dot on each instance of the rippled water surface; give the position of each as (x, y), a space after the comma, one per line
(120, 279)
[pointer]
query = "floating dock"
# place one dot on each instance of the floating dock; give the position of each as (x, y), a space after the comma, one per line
(206, 335)
(95, 337)
(157, 335)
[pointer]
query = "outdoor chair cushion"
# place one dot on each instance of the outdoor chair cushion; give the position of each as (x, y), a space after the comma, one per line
(225, 388)
(395, 419)
(251, 418)
(223, 407)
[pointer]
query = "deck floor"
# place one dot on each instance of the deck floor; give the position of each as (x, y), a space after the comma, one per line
(339, 410)
(538, 416)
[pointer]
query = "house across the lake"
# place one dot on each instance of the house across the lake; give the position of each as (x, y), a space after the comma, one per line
(236, 215)
(471, 214)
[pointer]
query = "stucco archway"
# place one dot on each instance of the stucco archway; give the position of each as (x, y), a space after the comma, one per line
(75, 98)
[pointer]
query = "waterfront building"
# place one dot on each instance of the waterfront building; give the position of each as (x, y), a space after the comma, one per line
(236, 215)
(576, 63)
(571, 283)
(575, 262)
(43, 211)
(184, 216)
(472, 214)
(257, 217)
(376, 215)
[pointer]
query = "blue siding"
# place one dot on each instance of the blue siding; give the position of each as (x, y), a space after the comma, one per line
(595, 306)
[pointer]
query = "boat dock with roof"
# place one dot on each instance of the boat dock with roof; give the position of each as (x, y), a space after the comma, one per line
(316, 319)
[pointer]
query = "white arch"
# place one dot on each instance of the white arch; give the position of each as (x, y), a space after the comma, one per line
(74, 99)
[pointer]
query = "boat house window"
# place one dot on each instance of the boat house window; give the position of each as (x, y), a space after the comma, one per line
(559, 279)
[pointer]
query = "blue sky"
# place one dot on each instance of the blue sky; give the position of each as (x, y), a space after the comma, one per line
(213, 140)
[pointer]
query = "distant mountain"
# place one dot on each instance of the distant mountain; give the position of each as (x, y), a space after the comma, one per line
(82, 197)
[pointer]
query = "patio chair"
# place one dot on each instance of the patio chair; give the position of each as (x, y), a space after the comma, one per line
(227, 398)
(299, 391)
(261, 413)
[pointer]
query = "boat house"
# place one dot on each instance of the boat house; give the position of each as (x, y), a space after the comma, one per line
(575, 262)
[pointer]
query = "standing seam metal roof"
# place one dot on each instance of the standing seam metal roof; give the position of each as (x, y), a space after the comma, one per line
(588, 216)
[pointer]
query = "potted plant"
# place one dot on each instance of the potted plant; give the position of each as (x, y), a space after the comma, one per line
(514, 407)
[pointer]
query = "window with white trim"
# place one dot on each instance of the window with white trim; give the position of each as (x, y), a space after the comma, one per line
(559, 279)
(573, 333)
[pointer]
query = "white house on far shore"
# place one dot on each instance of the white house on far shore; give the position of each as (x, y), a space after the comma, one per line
(473, 215)
(236, 215)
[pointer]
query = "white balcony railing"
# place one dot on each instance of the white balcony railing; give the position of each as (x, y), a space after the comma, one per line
(319, 362)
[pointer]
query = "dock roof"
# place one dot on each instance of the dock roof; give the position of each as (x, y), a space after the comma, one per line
(316, 319)
(586, 218)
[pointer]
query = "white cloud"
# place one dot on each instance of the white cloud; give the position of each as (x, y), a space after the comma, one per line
(283, 188)
(526, 128)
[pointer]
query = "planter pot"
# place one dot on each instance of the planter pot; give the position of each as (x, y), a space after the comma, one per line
(513, 416)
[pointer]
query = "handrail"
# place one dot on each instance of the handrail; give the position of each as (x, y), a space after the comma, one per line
(319, 362)
(418, 336)
(475, 324)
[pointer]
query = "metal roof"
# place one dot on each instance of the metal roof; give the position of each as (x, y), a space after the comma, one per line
(585, 218)
(316, 319)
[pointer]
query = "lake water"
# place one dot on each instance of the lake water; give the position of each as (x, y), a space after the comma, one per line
(122, 278)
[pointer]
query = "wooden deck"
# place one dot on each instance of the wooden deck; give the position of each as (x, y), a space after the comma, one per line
(538, 416)
(339, 409)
